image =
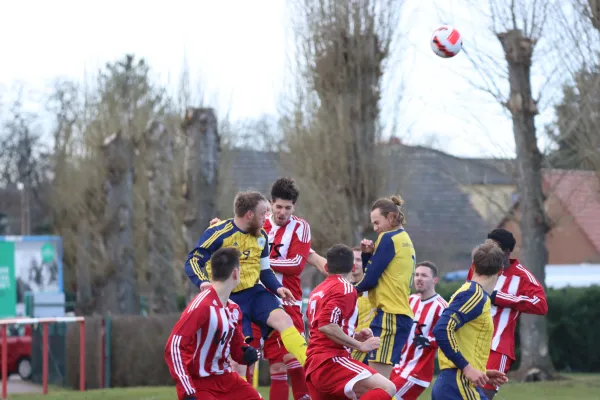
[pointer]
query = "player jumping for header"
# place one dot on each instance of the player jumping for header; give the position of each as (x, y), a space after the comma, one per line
(259, 305)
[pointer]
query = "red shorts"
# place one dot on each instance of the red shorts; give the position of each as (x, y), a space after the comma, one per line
(221, 387)
(274, 350)
(500, 362)
(336, 377)
(407, 390)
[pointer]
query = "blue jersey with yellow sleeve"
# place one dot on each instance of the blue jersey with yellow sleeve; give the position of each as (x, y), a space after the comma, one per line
(254, 259)
(465, 329)
(389, 272)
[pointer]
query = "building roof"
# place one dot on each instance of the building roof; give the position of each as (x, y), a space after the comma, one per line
(442, 223)
(579, 191)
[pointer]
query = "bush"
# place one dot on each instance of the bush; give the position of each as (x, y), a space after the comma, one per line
(573, 321)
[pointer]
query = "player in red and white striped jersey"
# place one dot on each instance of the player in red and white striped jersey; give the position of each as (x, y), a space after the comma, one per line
(331, 373)
(517, 291)
(207, 333)
(415, 371)
(289, 241)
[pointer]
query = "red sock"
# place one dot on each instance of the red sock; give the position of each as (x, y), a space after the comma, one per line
(376, 394)
(249, 375)
(296, 373)
(279, 387)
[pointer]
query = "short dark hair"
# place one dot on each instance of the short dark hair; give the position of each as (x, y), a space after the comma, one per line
(488, 259)
(505, 238)
(285, 189)
(340, 259)
(223, 262)
(431, 266)
(247, 201)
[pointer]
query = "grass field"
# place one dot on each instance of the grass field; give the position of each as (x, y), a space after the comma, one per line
(580, 387)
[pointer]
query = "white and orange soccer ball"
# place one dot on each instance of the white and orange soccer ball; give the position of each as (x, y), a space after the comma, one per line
(446, 41)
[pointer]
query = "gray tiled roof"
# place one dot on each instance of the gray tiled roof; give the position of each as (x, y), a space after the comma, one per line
(441, 220)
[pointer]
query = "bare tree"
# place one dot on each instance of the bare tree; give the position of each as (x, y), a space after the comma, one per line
(519, 25)
(160, 219)
(201, 171)
(331, 124)
(119, 292)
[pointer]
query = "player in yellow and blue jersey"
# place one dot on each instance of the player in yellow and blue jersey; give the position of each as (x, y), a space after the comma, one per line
(258, 305)
(465, 329)
(389, 268)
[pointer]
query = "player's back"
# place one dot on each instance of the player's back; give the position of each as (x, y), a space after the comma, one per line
(331, 302)
(470, 302)
(227, 234)
(393, 287)
(203, 333)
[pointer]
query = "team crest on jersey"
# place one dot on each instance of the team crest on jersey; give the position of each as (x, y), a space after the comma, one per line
(261, 241)
(236, 314)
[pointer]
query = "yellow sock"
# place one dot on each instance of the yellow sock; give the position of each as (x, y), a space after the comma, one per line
(294, 343)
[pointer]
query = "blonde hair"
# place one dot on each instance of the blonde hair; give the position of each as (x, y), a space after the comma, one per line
(392, 205)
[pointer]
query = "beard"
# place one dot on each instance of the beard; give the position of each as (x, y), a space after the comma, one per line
(254, 227)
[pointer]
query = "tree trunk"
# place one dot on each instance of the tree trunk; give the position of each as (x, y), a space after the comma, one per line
(535, 359)
(119, 294)
(201, 172)
(85, 303)
(160, 221)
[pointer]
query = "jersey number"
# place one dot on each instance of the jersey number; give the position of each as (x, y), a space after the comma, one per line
(245, 254)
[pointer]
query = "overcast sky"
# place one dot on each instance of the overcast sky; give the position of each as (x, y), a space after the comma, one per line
(237, 50)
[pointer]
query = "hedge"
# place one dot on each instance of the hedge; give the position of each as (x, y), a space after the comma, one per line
(573, 323)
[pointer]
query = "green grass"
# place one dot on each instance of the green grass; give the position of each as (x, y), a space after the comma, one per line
(579, 386)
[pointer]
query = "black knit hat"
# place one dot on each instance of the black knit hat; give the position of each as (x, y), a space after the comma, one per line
(505, 238)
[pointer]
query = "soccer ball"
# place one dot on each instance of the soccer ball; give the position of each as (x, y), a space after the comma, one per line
(446, 42)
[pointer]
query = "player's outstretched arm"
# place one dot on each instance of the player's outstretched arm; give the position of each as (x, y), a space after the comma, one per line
(377, 264)
(317, 261)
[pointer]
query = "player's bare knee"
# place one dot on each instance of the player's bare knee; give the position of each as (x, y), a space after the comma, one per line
(279, 320)
(277, 368)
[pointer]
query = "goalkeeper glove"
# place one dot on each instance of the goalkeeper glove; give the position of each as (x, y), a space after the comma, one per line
(421, 341)
(250, 355)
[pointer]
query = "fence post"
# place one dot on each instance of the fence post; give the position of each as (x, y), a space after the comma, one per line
(107, 346)
(82, 355)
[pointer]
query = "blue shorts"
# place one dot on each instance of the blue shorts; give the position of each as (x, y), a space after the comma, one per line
(256, 303)
(393, 331)
(451, 384)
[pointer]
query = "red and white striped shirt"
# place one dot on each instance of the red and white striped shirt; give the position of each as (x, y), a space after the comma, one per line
(417, 361)
(331, 302)
(289, 249)
(517, 291)
(202, 340)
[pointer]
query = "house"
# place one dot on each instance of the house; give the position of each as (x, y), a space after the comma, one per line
(573, 207)
(450, 202)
